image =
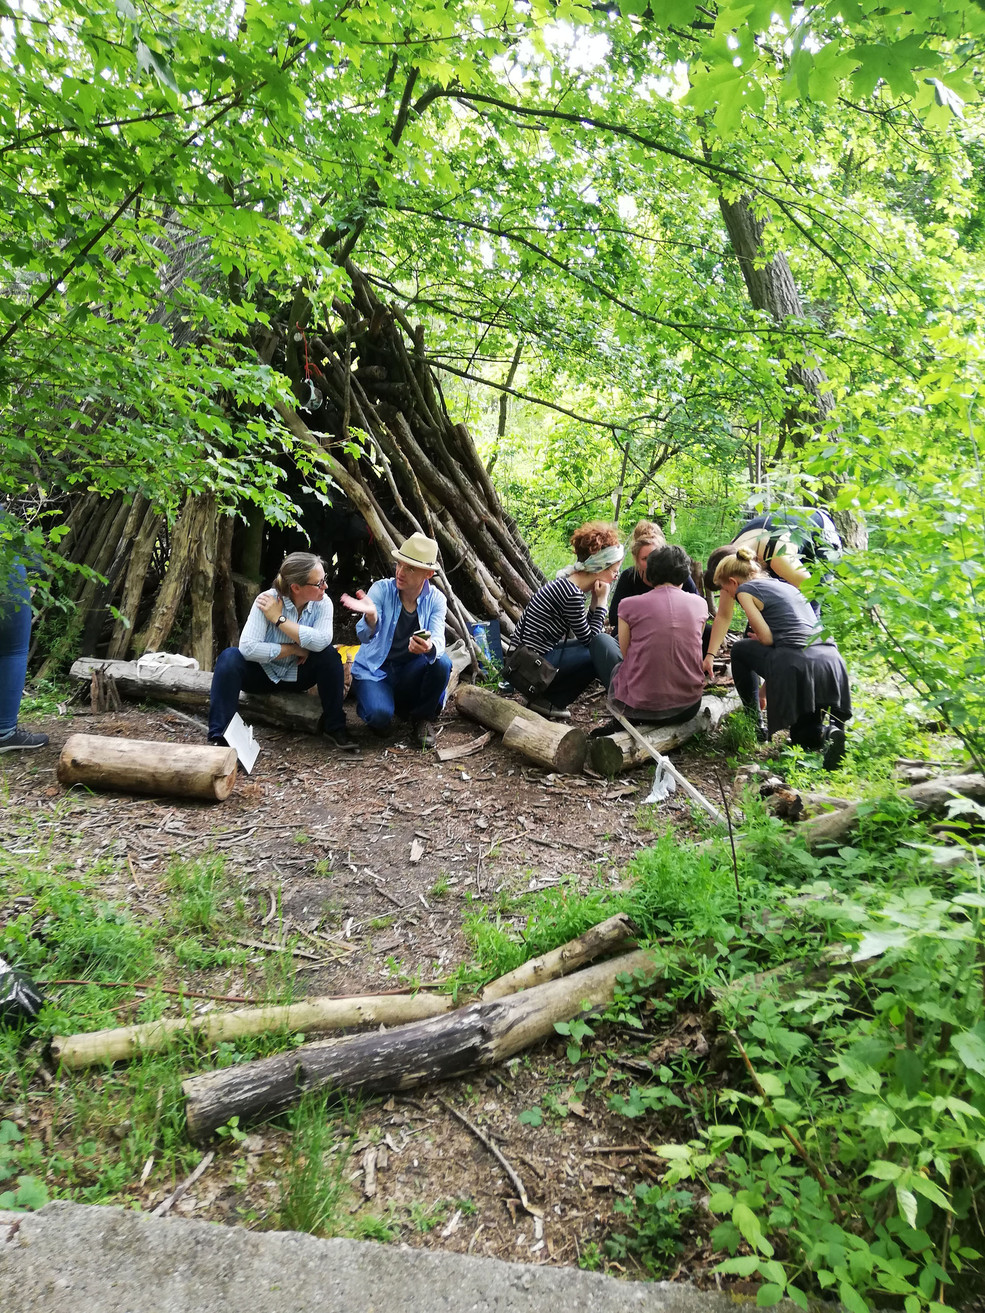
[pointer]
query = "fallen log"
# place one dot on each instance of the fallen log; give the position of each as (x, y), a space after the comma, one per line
(609, 754)
(618, 932)
(313, 1014)
(556, 746)
(553, 746)
(477, 1036)
(137, 766)
(177, 686)
(932, 797)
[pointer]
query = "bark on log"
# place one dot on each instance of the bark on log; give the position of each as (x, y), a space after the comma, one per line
(555, 747)
(313, 1014)
(135, 766)
(400, 1059)
(612, 753)
(933, 797)
(618, 932)
(489, 709)
(190, 688)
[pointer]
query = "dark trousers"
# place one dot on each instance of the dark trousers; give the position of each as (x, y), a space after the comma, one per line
(414, 689)
(15, 639)
(233, 675)
(577, 665)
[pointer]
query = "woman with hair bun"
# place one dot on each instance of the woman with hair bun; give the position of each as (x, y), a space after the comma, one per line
(555, 623)
(805, 676)
(646, 536)
(285, 647)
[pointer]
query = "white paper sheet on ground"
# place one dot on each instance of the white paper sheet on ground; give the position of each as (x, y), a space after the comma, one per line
(664, 785)
(239, 735)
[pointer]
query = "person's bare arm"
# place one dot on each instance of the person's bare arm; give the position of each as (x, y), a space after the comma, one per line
(757, 622)
(623, 636)
(723, 618)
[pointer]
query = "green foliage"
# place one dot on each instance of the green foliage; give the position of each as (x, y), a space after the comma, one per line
(314, 1186)
(844, 1154)
(655, 1216)
(27, 1192)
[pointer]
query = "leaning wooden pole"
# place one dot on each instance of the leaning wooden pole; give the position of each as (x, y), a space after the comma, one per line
(477, 1036)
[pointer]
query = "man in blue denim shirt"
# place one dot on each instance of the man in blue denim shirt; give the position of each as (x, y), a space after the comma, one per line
(401, 667)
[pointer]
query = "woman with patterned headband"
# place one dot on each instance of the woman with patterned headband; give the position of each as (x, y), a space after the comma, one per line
(557, 626)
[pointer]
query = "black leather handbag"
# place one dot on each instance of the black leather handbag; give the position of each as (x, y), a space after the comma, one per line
(530, 673)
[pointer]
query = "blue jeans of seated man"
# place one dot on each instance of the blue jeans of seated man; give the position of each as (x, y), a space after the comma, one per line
(414, 689)
(15, 639)
(577, 665)
(233, 675)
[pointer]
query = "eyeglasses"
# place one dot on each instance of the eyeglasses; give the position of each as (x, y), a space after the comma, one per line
(321, 585)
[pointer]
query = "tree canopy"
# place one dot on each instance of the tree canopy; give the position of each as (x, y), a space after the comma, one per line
(559, 191)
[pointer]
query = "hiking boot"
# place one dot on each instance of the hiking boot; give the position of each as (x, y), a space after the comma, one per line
(425, 733)
(834, 752)
(341, 738)
(22, 739)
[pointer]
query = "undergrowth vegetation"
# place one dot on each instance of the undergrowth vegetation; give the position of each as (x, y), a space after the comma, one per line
(111, 1134)
(835, 1128)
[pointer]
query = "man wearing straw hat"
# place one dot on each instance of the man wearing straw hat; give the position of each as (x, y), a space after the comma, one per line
(401, 667)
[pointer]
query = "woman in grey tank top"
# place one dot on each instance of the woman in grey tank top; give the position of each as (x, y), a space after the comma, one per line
(805, 677)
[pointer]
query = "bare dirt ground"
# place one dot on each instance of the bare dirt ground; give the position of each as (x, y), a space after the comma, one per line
(370, 864)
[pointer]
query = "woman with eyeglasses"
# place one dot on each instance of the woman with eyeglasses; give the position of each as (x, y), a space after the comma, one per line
(285, 647)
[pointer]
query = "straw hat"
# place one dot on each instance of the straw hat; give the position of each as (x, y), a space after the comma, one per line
(417, 550)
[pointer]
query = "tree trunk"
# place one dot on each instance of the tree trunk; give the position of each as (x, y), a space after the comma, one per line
(133, 766)
(190, 688)
(555, 747)
(311, 1014)
(932, 797)
(618, 932)
(610, 754)
(771, 288)
(403, 1058)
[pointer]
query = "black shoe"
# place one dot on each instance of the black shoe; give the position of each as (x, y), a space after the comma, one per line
(217, 741)
(425, 733)
(22, 739)
(342, 739)
(834, 753)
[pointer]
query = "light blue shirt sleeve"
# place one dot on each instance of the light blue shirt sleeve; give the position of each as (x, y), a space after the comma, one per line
(255, 642)
(376, 595)
(316, 634)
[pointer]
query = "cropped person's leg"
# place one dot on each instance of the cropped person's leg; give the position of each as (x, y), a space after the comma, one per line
(605, 657)
(233, 675)
(808, 731)
(575, 671)
(326, 670)
(746, 678)
(419, 687)
(374, 703)
(15, 640)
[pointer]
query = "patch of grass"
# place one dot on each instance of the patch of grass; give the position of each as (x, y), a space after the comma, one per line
(313, 1187)
(200, 891)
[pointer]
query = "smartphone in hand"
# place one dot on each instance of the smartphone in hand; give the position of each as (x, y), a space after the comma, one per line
(423, 634)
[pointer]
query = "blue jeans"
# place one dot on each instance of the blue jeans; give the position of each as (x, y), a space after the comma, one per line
(414, 689)
(233, 675)
(577, 665)
(15, 639)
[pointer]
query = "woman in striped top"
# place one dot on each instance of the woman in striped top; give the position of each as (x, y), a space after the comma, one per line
(556, 625)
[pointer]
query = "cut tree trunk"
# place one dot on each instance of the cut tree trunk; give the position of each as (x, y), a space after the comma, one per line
(555, 746)
(190, 688)
(136, 766)
(313, 1014)
(617, 933)
(477, 1036)
(931, 797)
(610, 754)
